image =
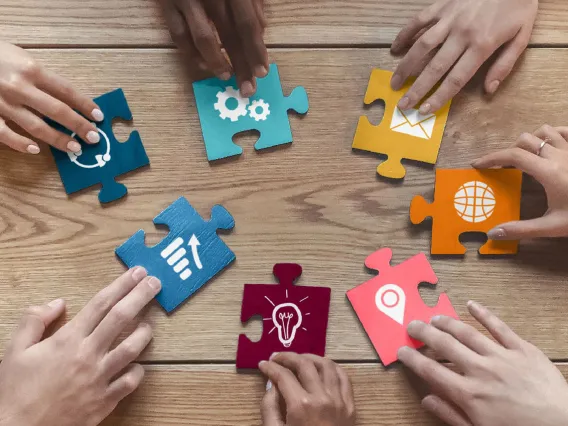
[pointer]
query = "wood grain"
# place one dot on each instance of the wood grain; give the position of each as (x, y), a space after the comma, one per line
(291, 22)
(315, 202)
(216, 396)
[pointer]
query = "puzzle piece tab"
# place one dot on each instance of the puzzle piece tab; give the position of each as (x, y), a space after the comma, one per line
(470, 200)
(190, 255)
(401, 134)
(223, 113)
(389, 302)
(294, 317)
(103, 162)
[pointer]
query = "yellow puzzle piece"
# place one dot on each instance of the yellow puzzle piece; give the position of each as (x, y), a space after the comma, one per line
(401, 134)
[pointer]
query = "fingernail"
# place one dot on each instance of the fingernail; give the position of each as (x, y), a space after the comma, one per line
(139, 273)
(202, 66)
(268, 385)
(425, 109)
(97, 115)
(403, 350)
(246, 89)
(225, 76)
(260, 71)
(471, 304)
(155, 283)
(403, 103)
(496, 234)
(93, 137)
(435, 318)
(413, 325)
(396, 81)
(474, 163)
(74, 146)
(55, 303)
(261, 363)
(33, 149)
(273, 355)
(493, 86)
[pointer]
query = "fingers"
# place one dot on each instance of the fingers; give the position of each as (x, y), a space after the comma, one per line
(551, 225)
(259, 7)
(506, 60)
(128, 350)
(328, 372)
(15, 141)
(553, 136)
(563, 130)
(284, 380)
(443, 343)
(414, 26)
(517, 157)
(465, 334)
(93, 313)
(497, 328)
(125, 384)
(303, 367)
(124, 312)
(534, 144)
(270, 408)
(34, 323)
(444, 411)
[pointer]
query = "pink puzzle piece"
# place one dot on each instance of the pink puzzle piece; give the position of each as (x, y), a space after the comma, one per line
(294, 317)
(387, 303)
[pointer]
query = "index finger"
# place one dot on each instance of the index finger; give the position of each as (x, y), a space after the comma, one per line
(285, 381)
(303, 367)
(250, 32)
(519, 158)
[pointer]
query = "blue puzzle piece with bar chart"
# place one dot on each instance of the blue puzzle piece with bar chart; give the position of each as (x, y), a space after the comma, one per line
(224, 112)
(101, 163)
(190, 255)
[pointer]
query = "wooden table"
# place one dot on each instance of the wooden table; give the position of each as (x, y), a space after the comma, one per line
(315, 202)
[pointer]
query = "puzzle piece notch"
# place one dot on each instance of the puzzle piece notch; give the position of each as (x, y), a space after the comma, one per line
(107, 159)
(385, 323)
(188, 257)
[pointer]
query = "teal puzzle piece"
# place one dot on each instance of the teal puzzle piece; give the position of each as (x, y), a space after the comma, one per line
(223, 112)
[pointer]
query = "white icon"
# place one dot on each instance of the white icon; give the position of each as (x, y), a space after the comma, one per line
(102, 159)
(287, 319)
(226, 112)
(391, 300)
(411, 122)
(174, 255)
(255, 106)
(475, 202)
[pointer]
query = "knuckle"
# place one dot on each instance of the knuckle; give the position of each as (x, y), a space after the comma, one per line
(547, 129)
(120, 315)
(436, 67)
(179, 33)
(455, 81)
(483, 43)
(420, 20)
(204, 38)
(246, 24)
(60, 110)
(426, 43)
(131, 382)
(31, 68)
(129, 350)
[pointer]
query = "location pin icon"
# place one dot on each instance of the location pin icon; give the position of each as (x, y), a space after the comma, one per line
(390, 299)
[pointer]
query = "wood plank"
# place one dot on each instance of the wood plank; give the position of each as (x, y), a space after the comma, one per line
(216, 396)
(315, 202)
(291, 22)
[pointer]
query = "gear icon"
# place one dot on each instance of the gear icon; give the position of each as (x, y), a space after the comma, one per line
(221, 104)
(259, 104)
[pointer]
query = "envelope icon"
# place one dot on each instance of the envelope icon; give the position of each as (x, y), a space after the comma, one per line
(413, 123)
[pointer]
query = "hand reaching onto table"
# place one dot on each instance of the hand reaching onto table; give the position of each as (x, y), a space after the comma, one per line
(503, 382)
(28, 92)
(548, 164)
(306, 390)
(458, 36)
(75, 376)
(197, 27)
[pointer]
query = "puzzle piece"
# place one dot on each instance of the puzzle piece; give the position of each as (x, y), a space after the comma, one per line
(470, 200)
(182, 272)
(223, 112)
(389, 302)
(401, 134)
(294, 317)
(102, 162)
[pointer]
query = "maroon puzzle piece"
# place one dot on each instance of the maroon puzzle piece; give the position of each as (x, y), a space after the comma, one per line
(294, 317)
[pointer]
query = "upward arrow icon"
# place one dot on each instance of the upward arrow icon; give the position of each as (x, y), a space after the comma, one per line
(194, 243)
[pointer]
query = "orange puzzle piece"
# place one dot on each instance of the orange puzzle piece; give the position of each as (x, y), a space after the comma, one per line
(470, 200)
(401, 134)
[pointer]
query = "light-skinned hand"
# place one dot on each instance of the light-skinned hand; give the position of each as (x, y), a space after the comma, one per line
(75, 377)
(451, 39)
(550, 168)
(29, 92)
(503, 382)
(197, 27)
(306, 390)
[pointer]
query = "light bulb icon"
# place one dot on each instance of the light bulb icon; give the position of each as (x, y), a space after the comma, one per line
(287, 318)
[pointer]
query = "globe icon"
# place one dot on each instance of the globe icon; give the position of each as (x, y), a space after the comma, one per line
(474, 202)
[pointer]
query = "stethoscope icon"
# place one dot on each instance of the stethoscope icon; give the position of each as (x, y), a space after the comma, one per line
(102, 160)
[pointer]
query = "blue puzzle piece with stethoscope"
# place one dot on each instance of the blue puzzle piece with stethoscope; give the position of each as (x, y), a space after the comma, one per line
(190, 255)
(101, 163)
(224, 112)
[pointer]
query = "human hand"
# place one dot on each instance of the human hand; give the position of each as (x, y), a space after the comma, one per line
(549, 166)
(467, 33)
(197, 26)
(306, 390)
(74, 377)
(28, 92)
(507, 382)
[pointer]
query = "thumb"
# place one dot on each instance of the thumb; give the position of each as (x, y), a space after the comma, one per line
(549, 225)
(34, 323)
(270, 407)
